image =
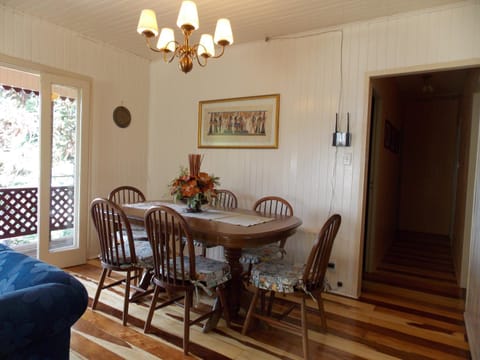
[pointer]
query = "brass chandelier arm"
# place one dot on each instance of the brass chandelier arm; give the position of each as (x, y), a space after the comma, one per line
(205, 57)
(165, 57)
(165, 52)
(149, 45)
(219, 55)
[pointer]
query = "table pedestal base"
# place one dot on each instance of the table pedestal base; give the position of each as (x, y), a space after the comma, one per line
(235, 289)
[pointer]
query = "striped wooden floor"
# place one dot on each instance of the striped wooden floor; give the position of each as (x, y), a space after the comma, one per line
(386, 323)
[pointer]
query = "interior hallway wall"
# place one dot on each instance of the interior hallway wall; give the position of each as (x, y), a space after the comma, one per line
(385, 183)
(429, 158)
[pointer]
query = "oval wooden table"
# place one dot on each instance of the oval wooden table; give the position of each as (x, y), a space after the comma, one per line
(232, 237)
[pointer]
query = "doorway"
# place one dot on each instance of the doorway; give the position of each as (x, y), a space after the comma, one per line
(418, 177)
(44, 142)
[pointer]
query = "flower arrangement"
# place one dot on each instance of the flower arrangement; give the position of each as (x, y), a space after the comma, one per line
(192, 186)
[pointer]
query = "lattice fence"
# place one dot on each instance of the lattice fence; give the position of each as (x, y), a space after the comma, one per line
(19, 208)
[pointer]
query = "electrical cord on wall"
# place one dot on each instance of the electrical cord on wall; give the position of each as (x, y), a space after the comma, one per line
(339, 107)
(340, 96)
(327, 286)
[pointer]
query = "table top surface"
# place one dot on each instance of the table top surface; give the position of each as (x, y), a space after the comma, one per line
(217, 226)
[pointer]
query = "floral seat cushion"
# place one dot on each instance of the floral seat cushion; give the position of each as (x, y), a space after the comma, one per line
(143, 252)
(277, 276)
(138, 233)
(263, 253)
(210, 272)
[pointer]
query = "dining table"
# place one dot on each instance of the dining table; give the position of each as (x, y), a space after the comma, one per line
(233, 229)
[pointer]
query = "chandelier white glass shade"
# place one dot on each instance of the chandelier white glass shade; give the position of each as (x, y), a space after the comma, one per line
(188, 22)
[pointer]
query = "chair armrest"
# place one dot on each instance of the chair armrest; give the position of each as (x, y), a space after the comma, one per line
(37, 312)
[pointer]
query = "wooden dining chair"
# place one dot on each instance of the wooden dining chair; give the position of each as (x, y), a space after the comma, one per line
(295, 285)
(126, 195)
(223, 198)
(179, 272)
(267, 206)
(118, 250)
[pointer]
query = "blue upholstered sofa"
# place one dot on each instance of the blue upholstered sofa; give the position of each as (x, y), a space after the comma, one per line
(38, 305)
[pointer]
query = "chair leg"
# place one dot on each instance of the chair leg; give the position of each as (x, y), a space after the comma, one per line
(148, 321)
(270, 303)
(137, 275)
(127, 298)
(262, 303)
(304, 329)
(186, 321)
(223, 303)
(321, 309)
(251, 311)
(99, 288)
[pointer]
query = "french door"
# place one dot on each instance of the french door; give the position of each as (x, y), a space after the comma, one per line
(64, 159)
(44, 164)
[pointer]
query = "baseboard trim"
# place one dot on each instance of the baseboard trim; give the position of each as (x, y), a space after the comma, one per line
(472, 325)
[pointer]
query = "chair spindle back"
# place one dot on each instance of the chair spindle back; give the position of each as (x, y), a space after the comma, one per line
(126, 195)
(273, 205)
(225, 199)
(171, 241)
(114, 233)
(316, 267)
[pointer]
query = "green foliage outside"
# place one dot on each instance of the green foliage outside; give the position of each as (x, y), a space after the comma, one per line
(19, 139)
(19, 143)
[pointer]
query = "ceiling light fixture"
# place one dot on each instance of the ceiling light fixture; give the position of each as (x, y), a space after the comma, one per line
(188, 22)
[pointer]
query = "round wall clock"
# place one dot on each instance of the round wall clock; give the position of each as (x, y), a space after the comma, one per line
(121, 116)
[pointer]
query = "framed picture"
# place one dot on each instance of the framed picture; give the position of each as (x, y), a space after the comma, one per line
(246, 122)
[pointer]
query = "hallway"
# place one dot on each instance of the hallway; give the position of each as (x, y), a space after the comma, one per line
(419, 261)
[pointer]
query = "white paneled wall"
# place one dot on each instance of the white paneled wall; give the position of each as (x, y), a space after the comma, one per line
(118, 156)
(305, 71)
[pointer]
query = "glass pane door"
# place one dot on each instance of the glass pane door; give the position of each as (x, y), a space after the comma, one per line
(64, 150)
(64, 103)
(19, 159)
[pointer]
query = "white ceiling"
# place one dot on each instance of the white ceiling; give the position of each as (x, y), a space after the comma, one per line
(115, 21)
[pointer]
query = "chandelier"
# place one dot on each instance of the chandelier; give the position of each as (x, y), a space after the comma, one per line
(188, 22)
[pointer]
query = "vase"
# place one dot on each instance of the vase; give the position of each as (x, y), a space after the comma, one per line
(194, 206)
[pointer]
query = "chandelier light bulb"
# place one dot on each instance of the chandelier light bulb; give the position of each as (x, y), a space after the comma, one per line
(223, 33)
(147, 24)
(206, 47)
(166, 40)
(188, 15)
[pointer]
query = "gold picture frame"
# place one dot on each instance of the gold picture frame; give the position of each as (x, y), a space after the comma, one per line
(249, 122)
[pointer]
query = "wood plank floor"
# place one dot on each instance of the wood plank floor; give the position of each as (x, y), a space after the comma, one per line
(419, 262)
(387, 322)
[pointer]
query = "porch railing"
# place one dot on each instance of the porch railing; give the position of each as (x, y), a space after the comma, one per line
(19, 210)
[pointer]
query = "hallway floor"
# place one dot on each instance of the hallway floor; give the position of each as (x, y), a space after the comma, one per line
(419, 262)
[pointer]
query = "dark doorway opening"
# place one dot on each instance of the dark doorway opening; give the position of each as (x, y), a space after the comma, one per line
(417, 195)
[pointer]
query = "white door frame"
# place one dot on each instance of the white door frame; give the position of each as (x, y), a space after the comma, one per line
(77, 254)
